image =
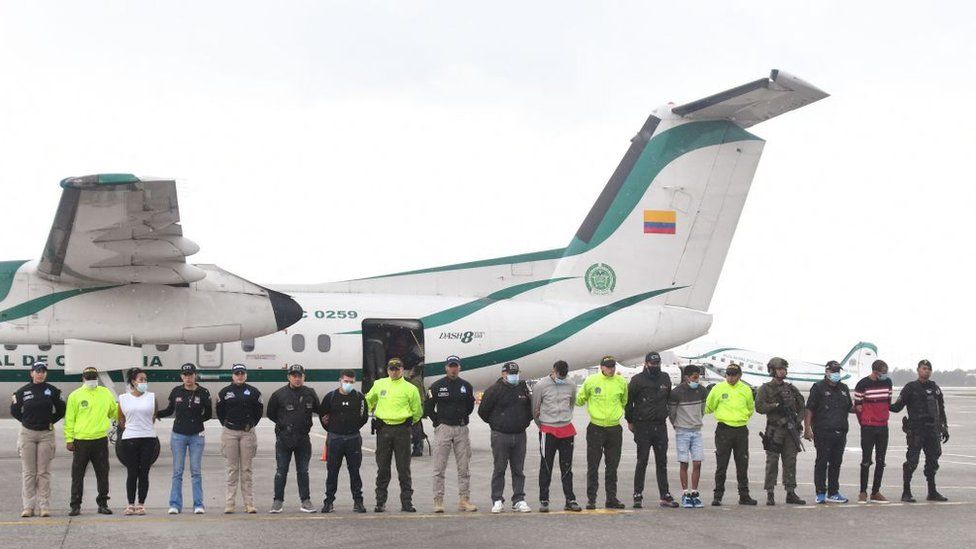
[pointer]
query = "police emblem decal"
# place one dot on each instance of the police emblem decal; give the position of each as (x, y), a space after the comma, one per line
(600, 279)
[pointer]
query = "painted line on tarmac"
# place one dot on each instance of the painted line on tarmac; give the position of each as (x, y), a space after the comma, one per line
(957, 462)
(309, 516)
(959, 455)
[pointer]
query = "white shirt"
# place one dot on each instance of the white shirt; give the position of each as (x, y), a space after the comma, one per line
(139, 412)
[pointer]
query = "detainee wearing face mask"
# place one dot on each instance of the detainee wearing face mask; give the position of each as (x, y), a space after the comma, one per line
(553, 399)
(90, 411)
(826, 425)
(507, 408)
(872, 403)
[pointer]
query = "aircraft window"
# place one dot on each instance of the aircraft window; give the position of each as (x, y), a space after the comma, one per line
(10, 347)
(210, 347)
(298, 343)
(325, 343)
(723, 359)
(162, 348)
(247, 345)
(44, 347)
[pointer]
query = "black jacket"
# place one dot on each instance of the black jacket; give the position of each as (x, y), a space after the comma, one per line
(239, 407)
(647, 397)
(926, 405)
(830, 405)
(343, 414)
(507, 408)
(291, 409)
(37, 406)
(450, 402)
(191, 409)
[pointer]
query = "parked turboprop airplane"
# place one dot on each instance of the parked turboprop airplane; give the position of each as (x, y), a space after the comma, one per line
(639, 274)
(856, 364)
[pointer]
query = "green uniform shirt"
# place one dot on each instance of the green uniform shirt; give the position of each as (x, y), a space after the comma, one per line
(89, 414)
(732, 404)
(394, 401)
(604, 398)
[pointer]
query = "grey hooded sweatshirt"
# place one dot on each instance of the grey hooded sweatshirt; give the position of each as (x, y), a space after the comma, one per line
(552, 403)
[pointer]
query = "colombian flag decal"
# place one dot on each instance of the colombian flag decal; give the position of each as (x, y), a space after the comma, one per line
(659, 221)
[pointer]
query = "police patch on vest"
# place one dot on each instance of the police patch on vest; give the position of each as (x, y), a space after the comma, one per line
(725, 395)
(383, 393)
(230, 394)
(597, 391)
(83, 404)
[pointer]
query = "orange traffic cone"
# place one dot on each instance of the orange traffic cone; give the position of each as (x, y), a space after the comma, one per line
(325, 452)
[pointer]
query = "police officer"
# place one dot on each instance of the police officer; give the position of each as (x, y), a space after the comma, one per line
(782, 405)
(926, 428)
(647, 413)
(605, 396)
(190, 405)
(826, 423)
(395, 404)
(414, 373)
(239, 409)
(87, 419)
(449, 405)
(732, 403)
(37, 406)
(343, 414)
(290, 408)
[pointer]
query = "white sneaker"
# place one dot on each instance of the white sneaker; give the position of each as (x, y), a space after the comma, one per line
(199, 510)
(522, 507)
(173, 511)
(498, 507)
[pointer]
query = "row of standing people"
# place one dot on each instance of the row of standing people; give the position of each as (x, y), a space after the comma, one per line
(509, 407)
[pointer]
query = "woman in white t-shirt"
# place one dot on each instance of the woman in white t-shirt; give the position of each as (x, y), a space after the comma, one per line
(137, 412)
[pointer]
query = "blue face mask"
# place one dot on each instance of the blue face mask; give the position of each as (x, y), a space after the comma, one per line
(512, 379)
(693, 384)
(347, 387)
(559, 381)
(883, 377)
(834, 377)
(142, 387)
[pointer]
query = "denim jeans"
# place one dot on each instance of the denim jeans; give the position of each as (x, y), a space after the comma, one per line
(180, 444)
(283, 456)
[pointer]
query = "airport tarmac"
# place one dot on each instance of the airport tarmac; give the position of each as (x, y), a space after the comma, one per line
(891, 525)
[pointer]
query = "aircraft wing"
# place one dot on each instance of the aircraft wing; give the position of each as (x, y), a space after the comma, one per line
(119, 229)
(752, 103)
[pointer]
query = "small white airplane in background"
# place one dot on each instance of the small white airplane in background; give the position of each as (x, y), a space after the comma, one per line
(638, 275)
(856, 364)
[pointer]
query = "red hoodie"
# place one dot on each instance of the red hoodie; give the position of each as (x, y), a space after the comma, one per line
(874, 397)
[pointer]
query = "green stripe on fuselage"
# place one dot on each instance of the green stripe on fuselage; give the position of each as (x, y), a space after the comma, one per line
(36, 305)
(7, 271)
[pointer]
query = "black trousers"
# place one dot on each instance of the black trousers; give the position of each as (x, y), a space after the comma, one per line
(139, 454)
(96, 452)
(602, 442)
(923, 439)
(731, 441)
(649, 435)
(549, 446)
(393, 442)
(830, 454)
(350, 448)
(874, 441)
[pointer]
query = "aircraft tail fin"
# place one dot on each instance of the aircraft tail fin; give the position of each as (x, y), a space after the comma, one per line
(857, 362)
(665, 219)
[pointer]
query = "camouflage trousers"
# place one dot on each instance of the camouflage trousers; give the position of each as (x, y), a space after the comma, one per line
(783, 448)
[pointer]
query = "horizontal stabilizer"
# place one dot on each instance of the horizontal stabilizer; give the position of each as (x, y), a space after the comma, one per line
(755, 102)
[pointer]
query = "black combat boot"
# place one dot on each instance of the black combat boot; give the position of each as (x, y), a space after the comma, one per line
(744, 499)
(934, 494)
(906, 494)
(794, 499)
(358, 506)
(770, 497)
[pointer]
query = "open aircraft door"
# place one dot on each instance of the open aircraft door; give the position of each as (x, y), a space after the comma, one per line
(384, 339)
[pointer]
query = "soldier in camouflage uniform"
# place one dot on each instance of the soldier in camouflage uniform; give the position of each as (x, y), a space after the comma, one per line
(779, 443)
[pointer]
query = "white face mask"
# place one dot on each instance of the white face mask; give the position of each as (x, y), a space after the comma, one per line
(142, 387)
(91, 383)
(347, 387)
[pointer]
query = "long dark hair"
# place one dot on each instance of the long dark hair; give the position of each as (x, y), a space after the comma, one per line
(132, 374)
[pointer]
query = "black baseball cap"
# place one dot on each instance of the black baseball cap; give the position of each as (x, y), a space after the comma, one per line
(453, 361)
(733, 370)
(833, 366)
(608, 361)
(296, 369)
(188, 368)
(238, 368)
(510, 368)
(394, 364)
(38, 366)
(653, 357)
(90, 372)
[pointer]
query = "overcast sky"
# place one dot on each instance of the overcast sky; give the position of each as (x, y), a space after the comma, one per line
(320, 141)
